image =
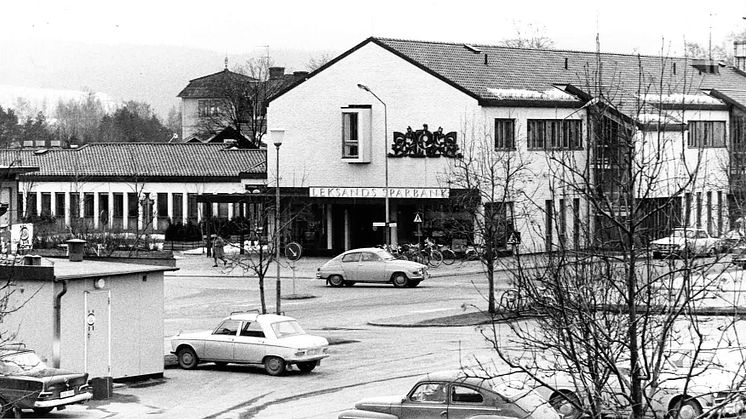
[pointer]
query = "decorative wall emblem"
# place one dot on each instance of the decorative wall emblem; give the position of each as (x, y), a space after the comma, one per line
(423, 143)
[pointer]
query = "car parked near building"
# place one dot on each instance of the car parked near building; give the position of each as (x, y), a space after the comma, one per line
(26, 382)
(454, 394)
(685, 242)
(684, 390)
(273, 341)
(371, 264)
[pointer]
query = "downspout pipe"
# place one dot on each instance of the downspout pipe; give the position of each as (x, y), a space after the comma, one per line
(57, 322)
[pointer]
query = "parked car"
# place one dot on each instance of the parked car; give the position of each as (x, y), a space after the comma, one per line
(371, 264)
(684, 391)
(26, 382)
(273, 341)
(685, 242)
(453, 394)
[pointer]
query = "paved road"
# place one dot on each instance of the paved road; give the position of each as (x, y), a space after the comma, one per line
(373, 361)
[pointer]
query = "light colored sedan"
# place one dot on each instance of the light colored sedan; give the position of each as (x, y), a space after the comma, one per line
(371, 264)
(251, 338)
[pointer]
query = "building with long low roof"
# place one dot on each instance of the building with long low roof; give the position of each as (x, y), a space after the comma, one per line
(128, 186)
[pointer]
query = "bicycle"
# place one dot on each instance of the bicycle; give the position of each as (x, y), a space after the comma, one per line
(449, 256)
(433, 254)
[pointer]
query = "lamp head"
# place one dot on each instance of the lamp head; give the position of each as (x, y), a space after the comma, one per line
(277, 135)
(363, 87)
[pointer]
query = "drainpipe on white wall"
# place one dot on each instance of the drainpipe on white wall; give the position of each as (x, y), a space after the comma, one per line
(57, 322)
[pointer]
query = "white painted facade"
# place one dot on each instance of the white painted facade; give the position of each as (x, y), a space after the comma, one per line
(311, 152)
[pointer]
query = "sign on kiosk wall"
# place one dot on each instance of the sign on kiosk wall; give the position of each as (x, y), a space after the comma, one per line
(21, 237)
(377, 192)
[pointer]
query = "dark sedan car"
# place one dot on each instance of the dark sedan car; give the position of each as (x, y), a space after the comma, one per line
(27, 383)
(452, 394)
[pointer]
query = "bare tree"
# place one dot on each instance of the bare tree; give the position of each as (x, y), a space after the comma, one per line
(314, 63)
(609, 321)
(528, 36)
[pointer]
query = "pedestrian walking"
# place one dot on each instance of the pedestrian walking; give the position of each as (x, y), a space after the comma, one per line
(217, 250)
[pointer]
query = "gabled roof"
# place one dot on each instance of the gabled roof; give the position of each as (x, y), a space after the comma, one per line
(179, 161)
(212, 86)
(504, 76)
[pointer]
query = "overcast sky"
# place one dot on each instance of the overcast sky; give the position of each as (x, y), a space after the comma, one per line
(246, 26)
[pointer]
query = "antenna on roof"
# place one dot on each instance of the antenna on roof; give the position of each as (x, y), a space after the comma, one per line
(226, 60)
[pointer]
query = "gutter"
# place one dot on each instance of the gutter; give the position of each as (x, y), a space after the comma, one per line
(57, 322)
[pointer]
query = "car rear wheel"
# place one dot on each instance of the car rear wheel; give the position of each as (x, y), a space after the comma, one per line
(41, 411)
(566, 404)
(400, 280)
(307, 366)
(336, 281)
(187, 358)
(688, 409)
(274, 365)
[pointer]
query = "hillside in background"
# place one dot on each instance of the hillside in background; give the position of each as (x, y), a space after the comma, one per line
(152, 74)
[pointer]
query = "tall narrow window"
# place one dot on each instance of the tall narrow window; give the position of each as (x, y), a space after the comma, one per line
(504, 134)
(59, 204)
(192, 213)
(350, 143)
(562, 223)
(720, 213)
(88, 205)
(549, 209)
(46, 203)
(162, 204)
(31, 204)
(554, 134)
(687, 209)
(178, 206)
(576, 223)
(709, 212)
(698, 214)
(103, 207)
(131, 205)
(74, 205)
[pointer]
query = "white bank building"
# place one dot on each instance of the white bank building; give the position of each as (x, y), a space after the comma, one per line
(434, 121)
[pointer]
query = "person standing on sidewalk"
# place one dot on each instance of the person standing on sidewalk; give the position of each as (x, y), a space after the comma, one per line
(217, 250)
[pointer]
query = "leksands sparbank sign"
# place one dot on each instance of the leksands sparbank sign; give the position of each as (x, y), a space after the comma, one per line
(407, 193)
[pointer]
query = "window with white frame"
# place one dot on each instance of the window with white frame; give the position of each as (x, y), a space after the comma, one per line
(350, 139)
(504, 134)
(554, 134)
(706, 134)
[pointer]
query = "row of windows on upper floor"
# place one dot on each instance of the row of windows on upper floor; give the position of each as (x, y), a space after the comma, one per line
(542, 134)
(567, 134)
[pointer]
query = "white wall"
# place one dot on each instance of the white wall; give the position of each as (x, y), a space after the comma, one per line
(310, 113)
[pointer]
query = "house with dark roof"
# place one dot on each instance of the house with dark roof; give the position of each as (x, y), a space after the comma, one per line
(228, 106)
(131, 186)
(382, 134)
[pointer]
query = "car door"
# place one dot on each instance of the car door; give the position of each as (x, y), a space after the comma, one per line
(370, 268)
(250, 344)
(349, 266)
(426, 400)
(219, 346)
(466, 401)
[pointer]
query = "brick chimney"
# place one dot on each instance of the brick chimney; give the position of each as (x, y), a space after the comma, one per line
(276, 73)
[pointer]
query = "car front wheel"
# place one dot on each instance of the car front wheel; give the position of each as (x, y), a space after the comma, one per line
(336, 281)
(566, 404)
(187, 358)
(400, 280)
(274, 365)
(307, 366)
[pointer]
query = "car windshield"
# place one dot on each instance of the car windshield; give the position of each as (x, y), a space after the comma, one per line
(689, 234)
(21, 362)
(287, 328)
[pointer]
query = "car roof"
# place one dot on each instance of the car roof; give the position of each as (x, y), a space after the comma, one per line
(458, 376)
(365, 249)
(253, 316)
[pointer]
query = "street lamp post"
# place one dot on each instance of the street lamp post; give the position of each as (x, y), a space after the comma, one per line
(387, 230)
(277, 136)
